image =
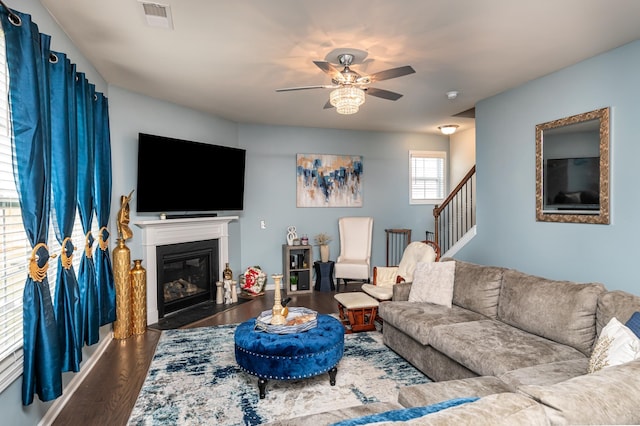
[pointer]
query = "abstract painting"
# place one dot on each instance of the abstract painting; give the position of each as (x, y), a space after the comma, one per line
(325, 180)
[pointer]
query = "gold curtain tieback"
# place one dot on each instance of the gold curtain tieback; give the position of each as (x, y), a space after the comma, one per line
(36, 272)
(87, 246)
(65, 260)
(101, 242)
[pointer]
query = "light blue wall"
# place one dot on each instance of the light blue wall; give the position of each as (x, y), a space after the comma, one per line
(270, 176)
(130, 114)
(270, 192)
(508, 234)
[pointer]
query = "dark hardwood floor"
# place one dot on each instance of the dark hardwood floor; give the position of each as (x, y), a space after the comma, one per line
(109, 392)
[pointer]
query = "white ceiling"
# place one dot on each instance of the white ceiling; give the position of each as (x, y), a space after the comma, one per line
(228, 57)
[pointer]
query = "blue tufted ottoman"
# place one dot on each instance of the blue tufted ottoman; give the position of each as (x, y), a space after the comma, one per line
(290, 356)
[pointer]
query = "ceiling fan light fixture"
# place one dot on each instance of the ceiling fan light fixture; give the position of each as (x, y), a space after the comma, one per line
(347, 99)
(448, 129)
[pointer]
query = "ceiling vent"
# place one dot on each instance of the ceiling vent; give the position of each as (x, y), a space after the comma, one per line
(157, 15)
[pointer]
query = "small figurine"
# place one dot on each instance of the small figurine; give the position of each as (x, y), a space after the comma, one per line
(228, 298)
(124, 232)
(291, 235)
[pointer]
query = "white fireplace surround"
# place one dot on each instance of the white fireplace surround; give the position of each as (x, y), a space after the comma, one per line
(172, 231)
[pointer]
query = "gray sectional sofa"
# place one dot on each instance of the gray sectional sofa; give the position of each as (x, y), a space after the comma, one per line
(519, 342)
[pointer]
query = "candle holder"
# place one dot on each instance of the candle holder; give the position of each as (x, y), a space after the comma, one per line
(277, 318)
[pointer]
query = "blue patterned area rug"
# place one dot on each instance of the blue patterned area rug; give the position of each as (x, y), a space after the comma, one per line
(194, 380)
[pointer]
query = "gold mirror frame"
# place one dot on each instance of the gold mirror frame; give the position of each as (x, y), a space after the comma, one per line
(602, 215)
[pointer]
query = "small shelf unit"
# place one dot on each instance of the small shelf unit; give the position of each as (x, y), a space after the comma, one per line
(297, 261)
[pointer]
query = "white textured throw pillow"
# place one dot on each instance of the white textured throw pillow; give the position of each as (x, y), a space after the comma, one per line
(616, 345)
(433, 283)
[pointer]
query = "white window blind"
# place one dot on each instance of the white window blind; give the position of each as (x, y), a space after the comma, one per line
(15, 249)
(427, 183)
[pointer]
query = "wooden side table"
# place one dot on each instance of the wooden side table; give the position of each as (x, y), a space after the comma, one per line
(324, 276)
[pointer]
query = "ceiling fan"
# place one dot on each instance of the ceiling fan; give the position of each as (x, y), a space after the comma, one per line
(351, 86)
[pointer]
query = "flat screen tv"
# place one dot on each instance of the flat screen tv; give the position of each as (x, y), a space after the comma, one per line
(572, 183)
(187, 177)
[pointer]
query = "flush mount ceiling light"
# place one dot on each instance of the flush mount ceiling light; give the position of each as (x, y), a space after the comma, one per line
(347, 99)
(448, 129)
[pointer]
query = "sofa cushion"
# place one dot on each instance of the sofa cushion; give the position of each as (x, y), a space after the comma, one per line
(617, 344)
(545, 374)
(433, 283)
(404, 415)
(562, 311)
(617, 304)
(609, 396)
(491, 347)
(433, 392)
(333, 416)
(401, 292)
(477, 287)
(502, 409)
(418, 319)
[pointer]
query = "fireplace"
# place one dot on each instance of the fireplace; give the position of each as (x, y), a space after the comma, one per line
(156, 233)
(187, 273)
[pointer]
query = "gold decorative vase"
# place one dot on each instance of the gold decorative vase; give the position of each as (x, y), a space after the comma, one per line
(324, 253)
(121, 264)
(139, 297)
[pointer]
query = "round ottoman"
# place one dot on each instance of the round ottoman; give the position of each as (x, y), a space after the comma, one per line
(290, 356)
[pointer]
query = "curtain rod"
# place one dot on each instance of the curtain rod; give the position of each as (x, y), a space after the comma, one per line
(11, 14)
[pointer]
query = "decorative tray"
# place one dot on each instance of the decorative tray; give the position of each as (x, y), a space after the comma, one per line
(310, 318)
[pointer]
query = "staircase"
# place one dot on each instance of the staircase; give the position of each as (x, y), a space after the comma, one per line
(455, 218)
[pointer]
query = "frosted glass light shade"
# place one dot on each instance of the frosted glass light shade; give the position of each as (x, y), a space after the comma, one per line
(448, 129)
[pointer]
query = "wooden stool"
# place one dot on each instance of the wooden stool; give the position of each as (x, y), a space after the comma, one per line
(358, 311)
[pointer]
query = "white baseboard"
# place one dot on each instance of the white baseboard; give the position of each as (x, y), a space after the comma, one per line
(74, 384)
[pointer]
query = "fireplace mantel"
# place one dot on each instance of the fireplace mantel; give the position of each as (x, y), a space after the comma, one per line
(172, 231)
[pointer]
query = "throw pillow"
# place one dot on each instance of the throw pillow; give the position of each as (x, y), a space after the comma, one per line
(415, 252)
(404, 414)
(616, 345)
(433, 283)
(634, 323)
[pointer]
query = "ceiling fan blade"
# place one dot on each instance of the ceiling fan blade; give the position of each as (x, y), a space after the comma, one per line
(327, 67)
(328, 105)
(384, 94)
(322, 86)
(392, 73)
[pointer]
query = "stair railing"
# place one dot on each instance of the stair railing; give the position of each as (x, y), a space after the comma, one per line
(457, 213)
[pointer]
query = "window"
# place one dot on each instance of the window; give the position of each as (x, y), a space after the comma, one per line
(15, 249)
(427, 182)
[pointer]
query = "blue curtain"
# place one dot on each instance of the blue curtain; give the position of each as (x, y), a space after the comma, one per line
(102, 190)
(89, 302)
(42, 83)
(64, 162)
(27, 58)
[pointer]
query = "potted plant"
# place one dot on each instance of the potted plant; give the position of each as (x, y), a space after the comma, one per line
(323, 241)
(293, 280)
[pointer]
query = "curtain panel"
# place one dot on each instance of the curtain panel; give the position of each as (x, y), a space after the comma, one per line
(59, 128)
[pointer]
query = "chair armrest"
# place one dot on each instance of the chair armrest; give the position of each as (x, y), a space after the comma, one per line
(401, 292)
(385, 275)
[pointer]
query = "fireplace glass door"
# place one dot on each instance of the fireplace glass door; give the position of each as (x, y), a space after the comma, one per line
(187, 273)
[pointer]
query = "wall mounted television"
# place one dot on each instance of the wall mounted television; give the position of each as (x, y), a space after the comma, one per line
(187, 177)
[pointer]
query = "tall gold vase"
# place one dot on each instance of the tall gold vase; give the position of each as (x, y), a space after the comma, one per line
(121, 264)
(139, 297)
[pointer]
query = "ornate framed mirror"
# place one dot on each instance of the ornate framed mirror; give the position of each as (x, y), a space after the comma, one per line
(572, 169)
